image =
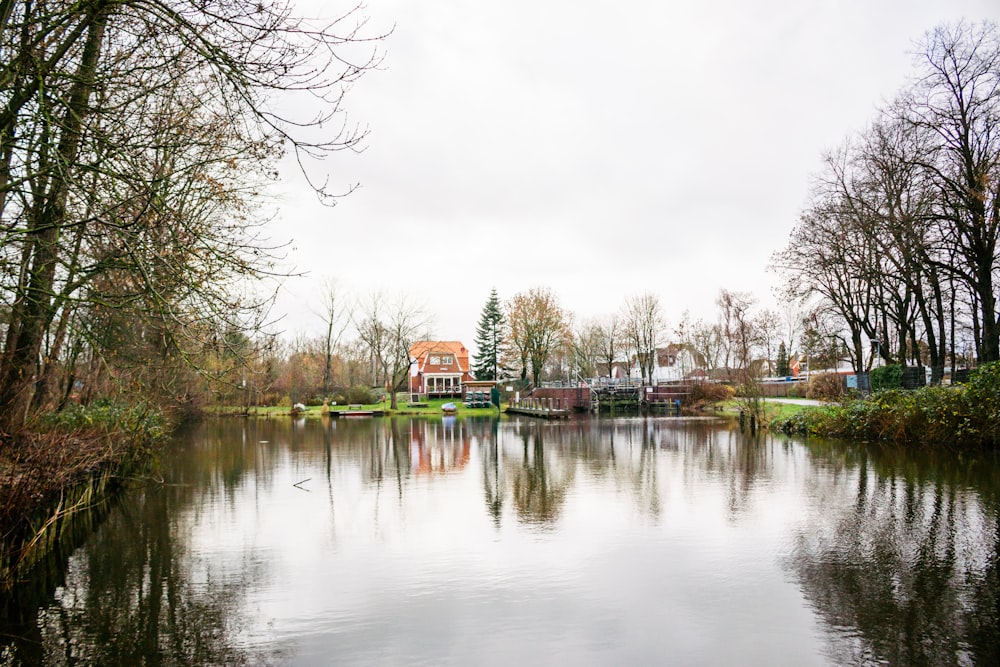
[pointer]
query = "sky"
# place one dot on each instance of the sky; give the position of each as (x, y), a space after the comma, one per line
(598, 149)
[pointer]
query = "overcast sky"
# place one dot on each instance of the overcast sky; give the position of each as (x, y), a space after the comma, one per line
(600, 149)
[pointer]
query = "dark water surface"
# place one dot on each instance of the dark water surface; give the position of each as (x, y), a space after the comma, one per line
(590, 542)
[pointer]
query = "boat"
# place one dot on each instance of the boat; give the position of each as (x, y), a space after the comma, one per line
(449, 408)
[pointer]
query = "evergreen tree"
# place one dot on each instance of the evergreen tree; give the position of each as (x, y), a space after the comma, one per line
(782, 368)
(489, 335)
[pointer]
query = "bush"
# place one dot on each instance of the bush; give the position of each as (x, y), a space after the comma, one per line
(106, 416)
(710, 392)
(826, 387)
(962, 416)
(362, 395)
(887, 377)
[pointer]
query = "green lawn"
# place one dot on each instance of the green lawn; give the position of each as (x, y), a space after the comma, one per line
(427, 408)
(772, 410)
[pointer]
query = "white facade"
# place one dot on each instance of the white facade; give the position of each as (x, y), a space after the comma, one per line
(668, 366)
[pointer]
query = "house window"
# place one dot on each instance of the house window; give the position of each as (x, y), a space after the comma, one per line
(435, 360)
(445, 359)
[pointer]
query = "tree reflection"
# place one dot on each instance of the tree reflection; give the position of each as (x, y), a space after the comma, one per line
(896, 555)
(134, 594)
(489, 442)
(538, 488)
(907, 573)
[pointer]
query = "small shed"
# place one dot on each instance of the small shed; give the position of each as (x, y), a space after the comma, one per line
(478, 393)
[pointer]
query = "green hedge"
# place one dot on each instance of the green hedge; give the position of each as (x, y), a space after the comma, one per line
(887, 377)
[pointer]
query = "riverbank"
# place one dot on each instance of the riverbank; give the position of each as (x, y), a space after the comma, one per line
(963, 416)
(70, 465)
(430, 408)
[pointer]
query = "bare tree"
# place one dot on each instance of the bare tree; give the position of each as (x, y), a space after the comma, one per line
(956, 101)
(703, 339)
(610, 335)
(388, 330)
(643, 326)
(588, 348)
(737, 328)
(135, 138)
(336, 318)
(767, 329)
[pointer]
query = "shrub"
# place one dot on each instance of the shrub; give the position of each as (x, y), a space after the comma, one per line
(962, 416)
(139, 419)
(825, 387)
(362, 395)
(710, 392)
(887, 377)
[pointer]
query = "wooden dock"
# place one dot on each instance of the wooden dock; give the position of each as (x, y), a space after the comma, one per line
(544, 413)
(337, 414)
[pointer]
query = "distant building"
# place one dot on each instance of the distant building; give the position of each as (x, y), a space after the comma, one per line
(672, 363)
(438, 368)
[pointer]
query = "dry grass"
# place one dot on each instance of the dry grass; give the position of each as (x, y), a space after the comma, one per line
(45, 477)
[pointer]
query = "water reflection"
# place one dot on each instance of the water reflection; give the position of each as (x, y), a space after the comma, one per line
(901, 559)
(137, 593)
(592, 540)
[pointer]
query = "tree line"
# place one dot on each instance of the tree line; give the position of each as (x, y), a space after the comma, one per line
(530, 337)
(136, 140)
(896, 254)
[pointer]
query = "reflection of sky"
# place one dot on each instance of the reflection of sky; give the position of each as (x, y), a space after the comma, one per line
(409, 567)
(660, 542)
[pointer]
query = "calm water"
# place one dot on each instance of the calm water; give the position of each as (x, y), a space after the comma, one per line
(591, 542)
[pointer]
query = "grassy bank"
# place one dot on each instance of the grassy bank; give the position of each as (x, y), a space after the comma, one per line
(67, 466)
(430, 408)
(963, 417)
(774, 412)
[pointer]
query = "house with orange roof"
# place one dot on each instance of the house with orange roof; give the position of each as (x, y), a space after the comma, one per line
(438, 368)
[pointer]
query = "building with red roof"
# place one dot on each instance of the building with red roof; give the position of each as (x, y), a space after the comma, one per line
(438, 368)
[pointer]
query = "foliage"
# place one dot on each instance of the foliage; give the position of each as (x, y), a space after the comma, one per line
(143, 422)
(781, 366)
(825, 387)
(489, 338)
(136, 143)
(887, 377)
(538, 328)
(962, 416)
(710, 392)
(355, 395)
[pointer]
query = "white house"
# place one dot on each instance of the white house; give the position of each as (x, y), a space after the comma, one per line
(672, 363)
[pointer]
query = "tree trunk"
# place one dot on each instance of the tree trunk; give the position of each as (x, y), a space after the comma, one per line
(16, 376)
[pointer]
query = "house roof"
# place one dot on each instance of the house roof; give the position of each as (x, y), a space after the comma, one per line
(422, 350)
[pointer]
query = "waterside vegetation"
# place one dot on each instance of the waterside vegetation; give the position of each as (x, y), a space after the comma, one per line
(965, 416)
(429, 408)
(69, 465)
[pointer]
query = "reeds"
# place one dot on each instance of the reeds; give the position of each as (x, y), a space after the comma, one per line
(48, 481)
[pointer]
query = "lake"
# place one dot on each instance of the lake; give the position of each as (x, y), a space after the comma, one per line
(590, 541)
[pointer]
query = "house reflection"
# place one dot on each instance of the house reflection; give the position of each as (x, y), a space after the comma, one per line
(439, 447)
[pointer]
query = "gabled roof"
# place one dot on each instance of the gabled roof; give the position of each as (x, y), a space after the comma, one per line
(422, 349)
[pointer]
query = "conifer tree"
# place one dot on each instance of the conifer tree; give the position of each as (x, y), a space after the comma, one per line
(782, 368)
(489, 335)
